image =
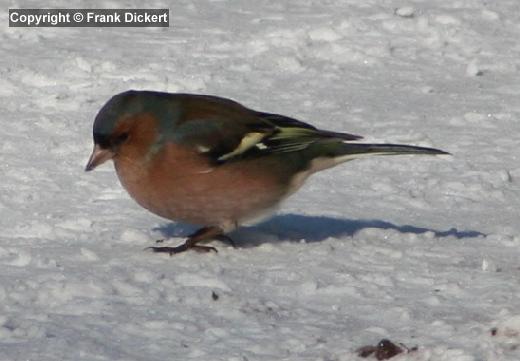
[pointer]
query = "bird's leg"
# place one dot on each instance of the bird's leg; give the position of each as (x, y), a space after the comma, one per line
(224, 238)
(203, 234)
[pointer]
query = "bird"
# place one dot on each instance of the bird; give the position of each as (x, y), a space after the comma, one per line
(212, 162)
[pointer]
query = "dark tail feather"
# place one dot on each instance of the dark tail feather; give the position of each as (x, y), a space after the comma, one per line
(329, 154)
(386, 149)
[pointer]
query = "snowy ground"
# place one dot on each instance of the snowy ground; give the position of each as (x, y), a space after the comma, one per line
(419, 250)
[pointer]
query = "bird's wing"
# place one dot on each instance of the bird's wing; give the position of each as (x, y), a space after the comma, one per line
(294, 135)
(226, 131)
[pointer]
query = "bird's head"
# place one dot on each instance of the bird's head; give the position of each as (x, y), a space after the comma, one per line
(127, 119)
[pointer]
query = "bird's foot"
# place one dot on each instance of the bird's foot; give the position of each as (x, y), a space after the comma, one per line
(202, 235)
(182, 248)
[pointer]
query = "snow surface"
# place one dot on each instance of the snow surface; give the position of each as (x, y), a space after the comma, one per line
(420, 250)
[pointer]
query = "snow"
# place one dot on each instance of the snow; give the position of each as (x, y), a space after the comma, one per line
(418, 250)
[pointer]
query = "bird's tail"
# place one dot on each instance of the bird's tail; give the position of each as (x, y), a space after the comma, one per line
(335, 153)
(360, 149)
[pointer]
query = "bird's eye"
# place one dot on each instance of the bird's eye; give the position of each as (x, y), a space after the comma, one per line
(120, 139)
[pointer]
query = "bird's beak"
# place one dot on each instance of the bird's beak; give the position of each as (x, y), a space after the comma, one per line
(98, 157)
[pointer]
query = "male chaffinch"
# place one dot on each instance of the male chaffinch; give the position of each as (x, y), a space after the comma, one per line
(212, 162)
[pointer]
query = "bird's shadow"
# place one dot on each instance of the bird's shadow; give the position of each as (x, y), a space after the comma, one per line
(296, 227)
